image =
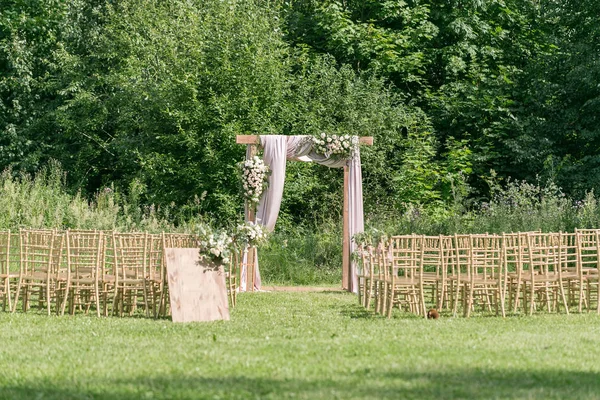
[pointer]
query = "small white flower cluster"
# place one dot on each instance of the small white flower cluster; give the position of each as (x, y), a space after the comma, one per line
(254, 175)
(215, 245)
(342, 146)
(251, 234)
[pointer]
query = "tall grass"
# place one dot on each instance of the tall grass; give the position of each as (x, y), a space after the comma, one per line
(43, 201)
(518, 206)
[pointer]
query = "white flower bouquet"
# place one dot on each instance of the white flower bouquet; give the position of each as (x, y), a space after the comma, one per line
(255, 174)
(215, 245)
(251, 234)
(341, 146)
(219, 246)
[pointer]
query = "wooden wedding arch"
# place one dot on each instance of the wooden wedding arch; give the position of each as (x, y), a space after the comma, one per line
(253, 142)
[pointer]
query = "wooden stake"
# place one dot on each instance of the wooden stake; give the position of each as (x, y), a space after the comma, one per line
(251, 212)
(346, 275)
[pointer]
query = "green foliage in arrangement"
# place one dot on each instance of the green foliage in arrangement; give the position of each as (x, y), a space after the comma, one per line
(302, 346)
(516, 206)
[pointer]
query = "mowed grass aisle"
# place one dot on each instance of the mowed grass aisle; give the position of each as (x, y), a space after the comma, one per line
(299, 345)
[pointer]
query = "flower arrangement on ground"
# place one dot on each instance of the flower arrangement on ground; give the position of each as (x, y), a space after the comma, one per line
(341, 146)
(255, 174)
(218, 245)
(215, 245)
(367, 239)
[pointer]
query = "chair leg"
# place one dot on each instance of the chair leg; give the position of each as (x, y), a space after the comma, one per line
(17, 292)
(65, 297)
(517, 297)
(469, 300)
(598, 296)
(8, 298)
(422, 301)
(456, 297)
(390, 302)
(532, 299)
(26, 297)
(501, 297)
(145, 292)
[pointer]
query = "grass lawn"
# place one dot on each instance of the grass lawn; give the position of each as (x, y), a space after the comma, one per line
(300, 345)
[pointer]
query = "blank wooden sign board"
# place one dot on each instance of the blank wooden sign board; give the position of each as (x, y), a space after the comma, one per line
(197, 291)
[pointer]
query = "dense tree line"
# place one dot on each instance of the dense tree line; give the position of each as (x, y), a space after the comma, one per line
(146, 96)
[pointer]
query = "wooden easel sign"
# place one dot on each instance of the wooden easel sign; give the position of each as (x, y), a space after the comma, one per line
(197, 289)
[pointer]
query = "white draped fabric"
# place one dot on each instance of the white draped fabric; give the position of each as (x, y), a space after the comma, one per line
(277, 149)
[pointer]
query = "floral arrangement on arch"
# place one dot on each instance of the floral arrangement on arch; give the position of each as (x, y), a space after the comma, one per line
(255, 175)
(341, 146)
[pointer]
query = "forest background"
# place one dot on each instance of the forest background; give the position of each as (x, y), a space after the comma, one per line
(123, 114)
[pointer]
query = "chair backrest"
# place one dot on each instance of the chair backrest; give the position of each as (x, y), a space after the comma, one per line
(14, 256)
(588, 248)
(180, 240)
(486, 258)
(5, 247)
(432, 256)
(569, 252)
(462, 255)
(130, 255)
(515, 252)
(41, 251)
(544, 254)
(448, 256)
(378, 260)
(364, 260)
(406, 255)
(84, 253)
(155, 256)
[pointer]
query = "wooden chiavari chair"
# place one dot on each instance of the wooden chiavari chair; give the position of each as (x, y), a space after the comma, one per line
(434, 270)
(379, 276)
(484, 278)
(9, 268)
(446, 297)
(41, 271)
(460, 268)
(588, 248)
(516, 263)
(84, 254)
(543, 283)
(570, 268)
(365, 275)
(404, 280)
(156, 275)
(130, 267)
(231, 277)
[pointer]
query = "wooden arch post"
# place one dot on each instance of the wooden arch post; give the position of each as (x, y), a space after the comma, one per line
(253, 141)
